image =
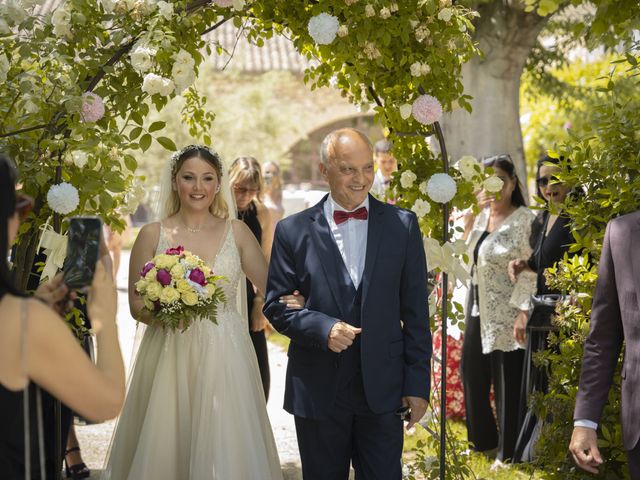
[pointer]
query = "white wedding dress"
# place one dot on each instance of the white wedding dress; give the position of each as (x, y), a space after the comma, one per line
(195, 406)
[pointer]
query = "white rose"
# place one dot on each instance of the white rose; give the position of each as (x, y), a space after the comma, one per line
(466, 166)
(405, 111)
(343, 31)
(165, 9)
(4, 67)
(425, 69)
(155, 84)
(493, 184)
(407, 178)
(238, 4)
(423, 187)
(142, 58)
(79, 158)
(183, 77)
(184, 58)
(385, 13)
(421, 208)
(445, 14)
(416, 69)
(369, 11)
(61, 21)
(393, 7)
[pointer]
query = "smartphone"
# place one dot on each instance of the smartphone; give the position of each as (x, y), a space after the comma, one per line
(83, 250)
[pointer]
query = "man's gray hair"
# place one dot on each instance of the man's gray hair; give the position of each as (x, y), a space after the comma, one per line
(327, 145)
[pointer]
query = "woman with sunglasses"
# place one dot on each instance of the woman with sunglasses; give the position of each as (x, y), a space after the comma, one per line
(490, 354)
(551, 238)
(245, 178)
(37, 350)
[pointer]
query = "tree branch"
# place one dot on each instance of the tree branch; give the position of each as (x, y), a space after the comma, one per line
(24, 130)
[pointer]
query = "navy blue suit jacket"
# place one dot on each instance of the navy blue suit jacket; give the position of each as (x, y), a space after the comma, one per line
(395, 339)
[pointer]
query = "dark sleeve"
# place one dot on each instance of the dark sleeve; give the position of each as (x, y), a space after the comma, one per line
(304, 326)
(415, 316)
(602, 348)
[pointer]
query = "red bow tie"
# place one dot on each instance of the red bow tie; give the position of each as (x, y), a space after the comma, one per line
(341, 216)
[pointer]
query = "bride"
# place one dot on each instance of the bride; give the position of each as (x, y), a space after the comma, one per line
(195, 407)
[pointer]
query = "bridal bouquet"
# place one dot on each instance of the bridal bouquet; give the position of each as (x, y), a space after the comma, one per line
(178, 286)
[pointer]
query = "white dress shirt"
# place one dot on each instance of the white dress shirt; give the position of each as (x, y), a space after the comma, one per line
(351, 238)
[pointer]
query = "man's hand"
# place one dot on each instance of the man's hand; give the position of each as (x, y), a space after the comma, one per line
(54, 293)
(418, 408)
(342, 336)
(584, 449)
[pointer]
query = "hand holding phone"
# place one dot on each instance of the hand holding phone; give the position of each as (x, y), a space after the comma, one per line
(83, 249)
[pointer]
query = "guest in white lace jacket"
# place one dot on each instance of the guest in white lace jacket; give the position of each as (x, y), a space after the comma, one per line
(490, 353)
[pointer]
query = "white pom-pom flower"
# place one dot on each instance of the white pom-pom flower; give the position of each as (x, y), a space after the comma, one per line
(467, 167)
(407, 178)
(323, 28)
(441, 188)
(421, 207)
(427, 109)
(493, 184)
(63, 198)
(92, 107)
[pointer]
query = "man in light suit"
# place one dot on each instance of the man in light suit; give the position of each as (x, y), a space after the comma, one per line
(615, 318)
(360, 347)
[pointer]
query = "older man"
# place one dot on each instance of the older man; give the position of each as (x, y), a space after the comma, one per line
(360, 347)
(615, 318)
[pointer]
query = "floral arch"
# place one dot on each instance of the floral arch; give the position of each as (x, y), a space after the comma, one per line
(79, 77)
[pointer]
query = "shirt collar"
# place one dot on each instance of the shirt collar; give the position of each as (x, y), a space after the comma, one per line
(333, 206)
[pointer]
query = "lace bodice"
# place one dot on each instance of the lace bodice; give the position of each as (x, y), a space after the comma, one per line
(226, 263)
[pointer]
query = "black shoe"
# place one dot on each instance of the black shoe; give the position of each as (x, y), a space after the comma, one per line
(76, 471)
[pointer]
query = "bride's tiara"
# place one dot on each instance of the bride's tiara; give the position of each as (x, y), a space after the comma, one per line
(177, 156)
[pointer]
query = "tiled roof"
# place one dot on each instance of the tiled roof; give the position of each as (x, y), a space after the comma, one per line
(277, 53)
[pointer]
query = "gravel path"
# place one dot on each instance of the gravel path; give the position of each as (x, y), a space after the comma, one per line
(94, 439)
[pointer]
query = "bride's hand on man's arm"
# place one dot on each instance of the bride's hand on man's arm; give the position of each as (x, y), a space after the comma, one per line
(295, 300)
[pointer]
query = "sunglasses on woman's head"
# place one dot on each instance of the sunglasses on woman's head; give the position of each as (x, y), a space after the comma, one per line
(497, 158)
(542, 182)
(24, 205)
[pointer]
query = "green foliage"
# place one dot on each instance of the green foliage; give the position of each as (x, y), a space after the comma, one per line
(605, 161)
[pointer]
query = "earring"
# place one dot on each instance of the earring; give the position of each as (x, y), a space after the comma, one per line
(218, 189)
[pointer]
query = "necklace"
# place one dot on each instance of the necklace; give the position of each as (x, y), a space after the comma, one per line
(189, 229)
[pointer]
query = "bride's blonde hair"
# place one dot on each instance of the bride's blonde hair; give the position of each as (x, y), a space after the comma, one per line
(171, 204)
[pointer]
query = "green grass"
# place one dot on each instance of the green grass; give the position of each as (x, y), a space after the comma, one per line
(480, 464)
(279, 340)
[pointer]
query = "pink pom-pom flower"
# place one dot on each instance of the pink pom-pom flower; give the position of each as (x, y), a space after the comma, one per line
(92, 107)
(426, 109)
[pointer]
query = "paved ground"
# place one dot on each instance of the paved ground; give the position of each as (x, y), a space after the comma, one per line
(94, 439)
